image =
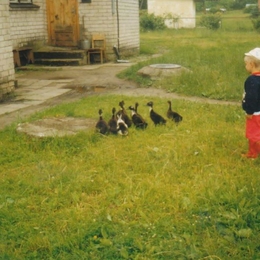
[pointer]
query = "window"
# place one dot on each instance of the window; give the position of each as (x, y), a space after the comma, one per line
(20, 1)
(25, 5)
(86, 1)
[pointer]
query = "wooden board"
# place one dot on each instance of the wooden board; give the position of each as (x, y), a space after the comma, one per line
(63, 22)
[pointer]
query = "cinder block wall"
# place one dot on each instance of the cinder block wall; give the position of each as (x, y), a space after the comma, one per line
(28, 26)
(6, 61)
(121, 26)
(129, 26)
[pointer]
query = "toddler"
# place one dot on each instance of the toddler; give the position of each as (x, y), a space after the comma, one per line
(251, 102)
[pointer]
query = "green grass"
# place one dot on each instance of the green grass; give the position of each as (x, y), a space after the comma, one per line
(170, 192)
(173, 192)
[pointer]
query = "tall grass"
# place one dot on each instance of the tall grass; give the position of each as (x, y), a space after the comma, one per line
(215, 58)
(171, 192)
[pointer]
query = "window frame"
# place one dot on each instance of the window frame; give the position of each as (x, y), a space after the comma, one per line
(20, 1)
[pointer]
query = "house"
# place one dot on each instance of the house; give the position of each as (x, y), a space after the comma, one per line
(7, 75)
(177, 13)
(65, 23)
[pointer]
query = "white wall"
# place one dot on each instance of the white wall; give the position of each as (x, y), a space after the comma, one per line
(183, 10)
(28, 25)
(6, 54)
(129, 24)
(102, 17)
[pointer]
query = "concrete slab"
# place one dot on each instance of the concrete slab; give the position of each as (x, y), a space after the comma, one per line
(32, 92)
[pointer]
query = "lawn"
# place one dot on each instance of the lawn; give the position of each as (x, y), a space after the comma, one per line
(167, 192)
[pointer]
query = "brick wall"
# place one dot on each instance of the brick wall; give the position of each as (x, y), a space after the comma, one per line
(129, 26)
(6, 54)
(28, 25)
(121, 28)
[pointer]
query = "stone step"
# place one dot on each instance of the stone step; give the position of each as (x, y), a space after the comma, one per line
(60, 57)
(61, 62)
(73, 54)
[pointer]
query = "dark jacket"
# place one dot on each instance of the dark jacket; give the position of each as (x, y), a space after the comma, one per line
(251, 98)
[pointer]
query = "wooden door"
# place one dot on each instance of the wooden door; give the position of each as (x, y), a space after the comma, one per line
(63, 22)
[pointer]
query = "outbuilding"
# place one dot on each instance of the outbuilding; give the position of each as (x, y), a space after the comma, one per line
(177, 13)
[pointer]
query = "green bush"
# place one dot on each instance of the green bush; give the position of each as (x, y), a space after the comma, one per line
(214, 10)
(256, 24)
(254, 12)
(250, 9)
(150, 22)
(211, 21)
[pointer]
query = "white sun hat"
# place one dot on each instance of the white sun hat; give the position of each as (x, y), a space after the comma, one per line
(254, 53)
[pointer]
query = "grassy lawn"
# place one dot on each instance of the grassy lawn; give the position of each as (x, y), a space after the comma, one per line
(168, 192)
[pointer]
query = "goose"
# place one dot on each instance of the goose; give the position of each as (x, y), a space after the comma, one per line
(101, 125)
(122, 128)
(173, 115)
(137, 119)
(112, 123)
(123, 112)
(156, 118)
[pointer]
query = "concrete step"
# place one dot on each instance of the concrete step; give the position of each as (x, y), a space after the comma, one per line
(61, 62)
(60, 57)
(69, 54)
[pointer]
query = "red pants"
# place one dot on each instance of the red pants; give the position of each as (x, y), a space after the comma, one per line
(253, 135)
(253, 128)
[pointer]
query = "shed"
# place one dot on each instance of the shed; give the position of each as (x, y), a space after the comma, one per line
(177, 13)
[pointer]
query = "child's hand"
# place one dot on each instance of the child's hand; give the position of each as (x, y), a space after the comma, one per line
(249, 116)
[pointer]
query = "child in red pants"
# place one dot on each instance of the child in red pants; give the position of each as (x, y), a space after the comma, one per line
(251, 102)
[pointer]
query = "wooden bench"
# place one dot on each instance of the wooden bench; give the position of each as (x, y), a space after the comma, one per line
(23, 53)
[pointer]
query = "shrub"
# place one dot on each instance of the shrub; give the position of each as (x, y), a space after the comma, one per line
(254, 12)
(150, 22)
(211, 21)
(250, 9)
(213, 10)
(256, 24)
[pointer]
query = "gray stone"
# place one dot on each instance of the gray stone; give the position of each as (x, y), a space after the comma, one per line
(56, 127)
(154, 71)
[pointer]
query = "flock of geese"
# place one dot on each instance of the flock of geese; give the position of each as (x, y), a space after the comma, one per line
(120, 121)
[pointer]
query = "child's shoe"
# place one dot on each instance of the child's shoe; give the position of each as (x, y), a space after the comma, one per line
(252, 150)
(249, 155)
